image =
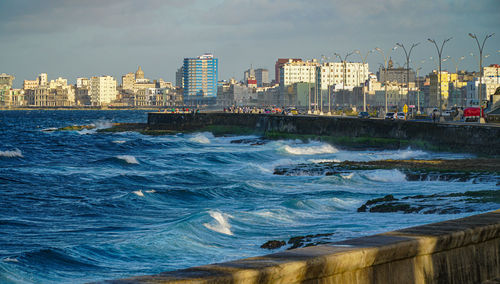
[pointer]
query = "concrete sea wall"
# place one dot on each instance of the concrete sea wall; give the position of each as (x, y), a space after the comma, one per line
(481, 139)
(465, 250)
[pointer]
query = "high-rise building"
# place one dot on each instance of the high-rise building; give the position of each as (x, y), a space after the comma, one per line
(262, 77)
(277, 66)
(200, 77)
(128, 81)
(179, 77)
(102, 90)
(250, 73)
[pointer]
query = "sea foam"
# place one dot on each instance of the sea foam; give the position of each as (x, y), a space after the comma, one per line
(12, 154)
(221, 224)
(138, 193)
(386, 176)
(200, 138)
(310, 150)
(127, 158)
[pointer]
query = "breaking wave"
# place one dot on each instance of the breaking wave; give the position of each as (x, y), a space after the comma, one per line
(386, 176)
(221, 224)
(200, 138)
(12, 154)
(127, 158)
(310, 150)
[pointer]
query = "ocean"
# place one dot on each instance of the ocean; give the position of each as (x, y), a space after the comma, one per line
(81, 206)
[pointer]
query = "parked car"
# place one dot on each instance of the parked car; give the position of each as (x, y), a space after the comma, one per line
(389, 115)
(400, 115)
(363, 114)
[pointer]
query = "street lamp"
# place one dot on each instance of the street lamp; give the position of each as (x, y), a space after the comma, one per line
(480, 46)
(325, 58)
(363, 59)
(439, 51)
(345, 67)
(407, 54)
(385, 74)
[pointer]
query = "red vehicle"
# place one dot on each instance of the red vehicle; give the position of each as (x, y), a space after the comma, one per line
(473, 113)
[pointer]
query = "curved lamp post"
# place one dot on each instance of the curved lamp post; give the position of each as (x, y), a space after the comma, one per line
(385, 74)
(407, 55)
(363, 59)
(480, 46)
(440, 52)
(345, 67)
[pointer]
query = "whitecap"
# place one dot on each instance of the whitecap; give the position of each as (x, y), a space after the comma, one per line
(103, 124)
(347, 176)
(200, 138)
(310, 150)
(119, 141)
(50, 129)
(86, 131)
(127, 158)
(12, 154)
(10, 259)
(221, 224)
(386, 176)
(151, 191)
(138, 193)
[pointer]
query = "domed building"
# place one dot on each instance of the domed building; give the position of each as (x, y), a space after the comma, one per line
(139, 74)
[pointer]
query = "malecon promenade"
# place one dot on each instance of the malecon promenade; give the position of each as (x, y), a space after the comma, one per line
(465, 250)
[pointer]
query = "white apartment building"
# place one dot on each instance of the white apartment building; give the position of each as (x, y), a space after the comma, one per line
(489, 86)
(353, 74)
(102, 90)
(82, 82)
(298, 71)
(42, 79)
(329, 73)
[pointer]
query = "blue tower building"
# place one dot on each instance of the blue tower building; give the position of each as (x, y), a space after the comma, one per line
(200, 80)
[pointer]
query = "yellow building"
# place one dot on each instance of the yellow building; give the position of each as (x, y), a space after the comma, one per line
(444, 80)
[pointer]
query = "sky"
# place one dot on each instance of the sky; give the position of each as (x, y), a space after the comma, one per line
(84, 38)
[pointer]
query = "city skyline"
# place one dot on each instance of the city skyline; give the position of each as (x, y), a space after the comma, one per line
(113, 38)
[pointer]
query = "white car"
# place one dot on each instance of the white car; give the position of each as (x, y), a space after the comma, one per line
(400, 115)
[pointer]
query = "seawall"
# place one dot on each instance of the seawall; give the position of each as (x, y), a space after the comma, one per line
(470, 138)
(465, 250)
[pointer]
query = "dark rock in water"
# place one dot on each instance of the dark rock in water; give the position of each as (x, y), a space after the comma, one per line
(274, 244)
(299, 241)
(389, 197)
(252, 142)
(475, 170)
(453, 203)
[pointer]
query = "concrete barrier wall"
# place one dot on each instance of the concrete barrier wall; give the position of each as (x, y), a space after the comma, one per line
(480, 139)
(465, 250)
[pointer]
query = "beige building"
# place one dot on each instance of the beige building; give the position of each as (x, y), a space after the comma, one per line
(11, 97)
(30, 84)
(102, 90)
(6, 80)
(82, 91)
(56, 93)
(128, 81)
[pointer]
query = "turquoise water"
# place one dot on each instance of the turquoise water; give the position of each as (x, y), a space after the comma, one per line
(81, 206)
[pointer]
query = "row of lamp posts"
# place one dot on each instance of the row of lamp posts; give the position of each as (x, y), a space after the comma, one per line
(407, 56)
